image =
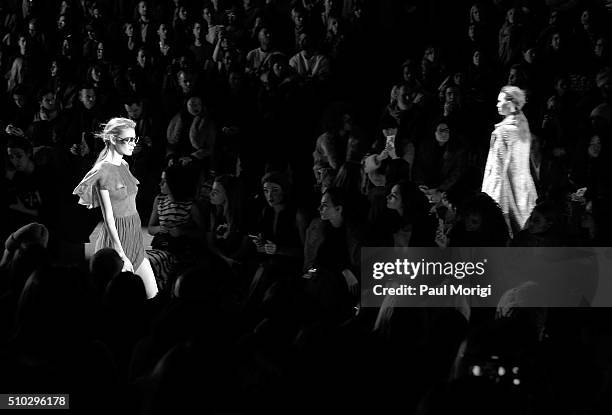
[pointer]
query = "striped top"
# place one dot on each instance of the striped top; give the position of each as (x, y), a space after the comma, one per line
(173, 214)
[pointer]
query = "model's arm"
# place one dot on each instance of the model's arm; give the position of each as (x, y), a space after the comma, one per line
(109, 222)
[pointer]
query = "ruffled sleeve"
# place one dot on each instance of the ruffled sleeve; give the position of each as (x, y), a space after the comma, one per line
(87, 189)
(101, 177)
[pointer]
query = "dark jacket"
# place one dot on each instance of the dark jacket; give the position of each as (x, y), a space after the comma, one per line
(438, 167)
(315, 236)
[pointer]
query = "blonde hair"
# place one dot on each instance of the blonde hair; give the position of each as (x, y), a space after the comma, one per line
(112, 129)
(515, 95)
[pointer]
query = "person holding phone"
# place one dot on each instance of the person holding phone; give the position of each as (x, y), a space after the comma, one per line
(279, 241)
(333, 243)
(282, 226)
(111, 186)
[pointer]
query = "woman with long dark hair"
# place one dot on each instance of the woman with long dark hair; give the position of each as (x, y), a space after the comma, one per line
(413, 226)
(226, 237)
(110, 186)
(175, 224)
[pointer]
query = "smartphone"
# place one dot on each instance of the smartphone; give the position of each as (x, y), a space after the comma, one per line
(390, 141)
(390, 144)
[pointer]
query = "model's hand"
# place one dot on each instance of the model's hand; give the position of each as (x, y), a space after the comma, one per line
(127, 264)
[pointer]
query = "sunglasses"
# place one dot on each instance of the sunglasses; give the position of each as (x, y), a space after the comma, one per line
(129, 140)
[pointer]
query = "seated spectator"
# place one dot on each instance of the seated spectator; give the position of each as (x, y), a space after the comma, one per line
(308, 63)
(192, 133)
(29, 193)
(64, 29)
(65, 91)
(225, 64)
(589, 160)
(233, 28)
(555, 55)
(548, 166)
(68, 53)
(332, 246)
(510, 37)
(101, 80)
(201, 50)
(130, 43)
(176, 225)
(282, 226)
(144, 25)
(20, 113)
(440, 161)
(226, 235)
(413, 226)
(47, 110)
(181, 24)
(379, 173)
(86, 119)
(282, 75)
(149, 153)
(481, 18)
(432, 68)
(213, 23)
(178, 86)
(23, 70)
(165, 51)
(340, 142)
(251, 12)
(480, 222)
(479, 79)
(90, 44)
(602, 54)
(335, 43)
(279, 236)
(258, 60)
(300, 27)
(405, 117)
(544, 228)
(453, 108)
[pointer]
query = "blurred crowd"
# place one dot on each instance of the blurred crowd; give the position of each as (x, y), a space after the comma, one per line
(275, 140)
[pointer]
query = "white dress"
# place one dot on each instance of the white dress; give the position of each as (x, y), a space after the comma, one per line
(507, 177)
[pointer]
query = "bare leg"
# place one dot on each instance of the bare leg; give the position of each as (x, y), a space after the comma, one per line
(145, 272)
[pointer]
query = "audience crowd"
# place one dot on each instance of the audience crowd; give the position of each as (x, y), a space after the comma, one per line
(275, 140)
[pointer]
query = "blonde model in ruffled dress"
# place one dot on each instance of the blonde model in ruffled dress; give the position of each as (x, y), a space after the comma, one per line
(111, 186)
